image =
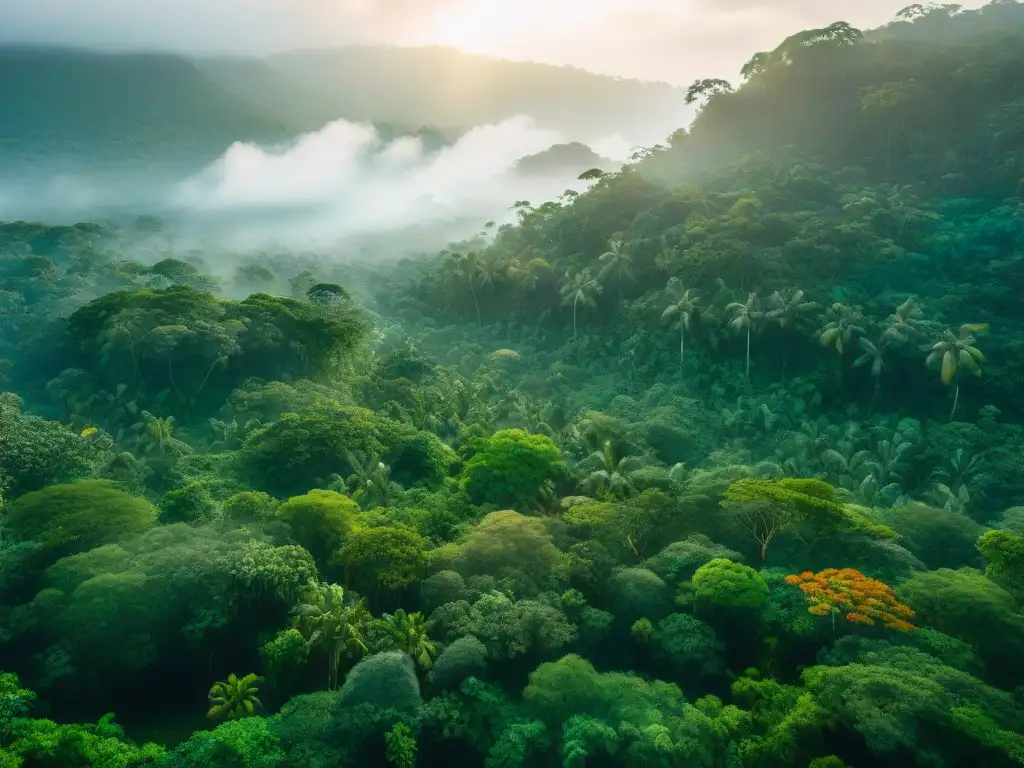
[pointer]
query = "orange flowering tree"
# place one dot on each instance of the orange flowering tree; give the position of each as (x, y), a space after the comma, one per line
(848, 592)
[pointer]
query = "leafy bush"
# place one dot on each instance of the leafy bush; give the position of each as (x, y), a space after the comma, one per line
(385, 681)
(637, 593)
(940, 538)
(728, 584)
(301, 450)
(512, 468)
(443, 587)
(245, 743)
(78, 516)
(381, 560)
(466, 657)
(319, 521)
(35, 453)
(193, 504)
(680, 560)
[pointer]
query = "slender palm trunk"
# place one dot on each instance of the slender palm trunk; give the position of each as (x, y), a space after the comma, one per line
(206, 378)
(135, 360)
(748, 352)
(335, 651)
(476, 303)
(682, 343)
(888, 153)
(956, 398)
(575, 301)
(909, 142)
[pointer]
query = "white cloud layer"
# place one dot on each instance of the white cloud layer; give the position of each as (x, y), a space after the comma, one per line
(339, 184)
(343, 181)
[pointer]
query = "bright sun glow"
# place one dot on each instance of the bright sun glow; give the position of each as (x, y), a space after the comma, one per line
(488, 26)
(480, 26)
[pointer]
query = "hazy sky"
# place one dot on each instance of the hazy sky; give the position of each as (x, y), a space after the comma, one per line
(673, 40)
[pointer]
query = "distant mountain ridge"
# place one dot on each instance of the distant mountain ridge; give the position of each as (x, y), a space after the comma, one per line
(71, 109)
(563, 159)
(447, 88)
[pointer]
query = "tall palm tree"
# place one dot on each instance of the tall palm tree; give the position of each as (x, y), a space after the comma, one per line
(745, 317)
(841, 327)
(872, 355)
(408, 633)
(160, 431)
(961, 469)
(612, 476)
(491, 269)
(617, 263)
(331, 626)
(369, 478)
(788, 309)
(156, 434)
(468, 267)
(906, 324)
(954, 352)
(529, 270)
(711, 326)
(680, 311)
(580, 289)
(234, 698)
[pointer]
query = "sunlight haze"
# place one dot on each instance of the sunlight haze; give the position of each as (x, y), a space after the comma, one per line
(673, 40)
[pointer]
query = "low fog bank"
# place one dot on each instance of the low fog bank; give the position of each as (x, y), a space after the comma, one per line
(337, 185)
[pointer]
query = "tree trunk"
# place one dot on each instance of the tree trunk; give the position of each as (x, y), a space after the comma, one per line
(910, 144)
(575, 301)
(205, 379)
(748, 352)
(888, 152)
(956, 398)
(682, 343)
(476, 303)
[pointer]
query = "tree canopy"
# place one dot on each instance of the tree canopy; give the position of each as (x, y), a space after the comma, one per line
(715, 460)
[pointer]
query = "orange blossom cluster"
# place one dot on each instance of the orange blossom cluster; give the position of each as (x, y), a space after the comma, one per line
(863, 600)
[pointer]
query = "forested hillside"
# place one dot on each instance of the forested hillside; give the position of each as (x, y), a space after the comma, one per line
(717, 464)
(931, 99)
(78, 109)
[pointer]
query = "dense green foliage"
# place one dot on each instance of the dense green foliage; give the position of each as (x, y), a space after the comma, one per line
(670, 510)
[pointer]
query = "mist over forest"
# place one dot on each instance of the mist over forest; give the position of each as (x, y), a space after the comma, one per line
(403, 408)
(217, 146)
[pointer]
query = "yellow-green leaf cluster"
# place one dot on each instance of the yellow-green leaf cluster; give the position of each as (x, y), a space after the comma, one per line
(814, 500)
